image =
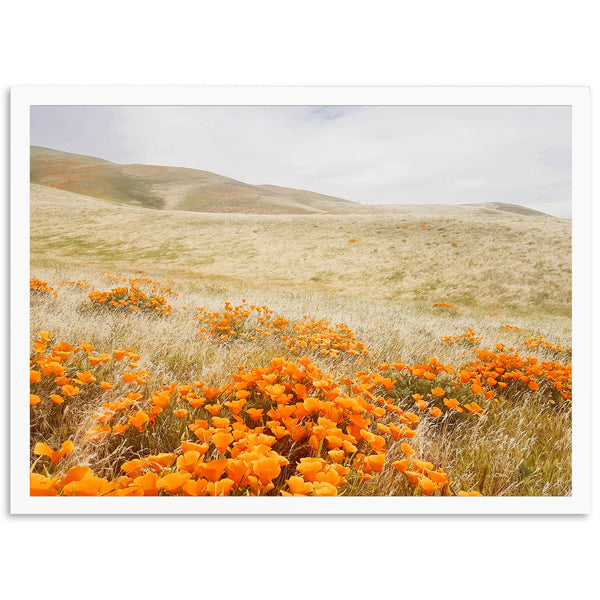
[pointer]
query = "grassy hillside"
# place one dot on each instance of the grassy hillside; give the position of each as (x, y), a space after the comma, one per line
(170, 187)
(477, 258)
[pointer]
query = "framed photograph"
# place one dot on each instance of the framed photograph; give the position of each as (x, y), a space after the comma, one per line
(300, 300)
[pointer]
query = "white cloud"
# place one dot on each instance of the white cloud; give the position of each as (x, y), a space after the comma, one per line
(383, 154)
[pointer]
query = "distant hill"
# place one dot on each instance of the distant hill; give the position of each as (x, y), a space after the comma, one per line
(170, 188)
(514, 208)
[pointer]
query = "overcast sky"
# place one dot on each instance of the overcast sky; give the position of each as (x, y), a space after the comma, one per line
(369, 154)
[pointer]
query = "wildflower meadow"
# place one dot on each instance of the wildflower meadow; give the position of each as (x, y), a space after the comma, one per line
(423, 353)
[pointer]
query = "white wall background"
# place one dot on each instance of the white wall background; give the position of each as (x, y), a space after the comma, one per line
(301, 43)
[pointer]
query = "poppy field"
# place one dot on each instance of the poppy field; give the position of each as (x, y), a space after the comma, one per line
(157, 380)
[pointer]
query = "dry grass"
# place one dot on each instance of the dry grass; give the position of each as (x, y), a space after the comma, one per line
(502, 270)
(477, 259)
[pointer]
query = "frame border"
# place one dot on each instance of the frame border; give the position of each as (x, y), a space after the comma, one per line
(23, 97)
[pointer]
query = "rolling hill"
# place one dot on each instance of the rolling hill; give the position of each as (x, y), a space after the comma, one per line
(178, 188)
(170, 188)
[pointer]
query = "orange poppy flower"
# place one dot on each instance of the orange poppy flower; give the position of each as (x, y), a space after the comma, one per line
(147, 483)
(324, 488)
(255, 413)
(34, 399)
(34, 376)
(435, 411)
(407, 449)
(373, 463)
(213, 409)
(181, 413)
(220, 488)
(202, 449)
(266, 469)
(196, 402)
(427, 485)
(54, 455)
(377, 443)
(452, 404)
(173, 482)
(413, 476)
(401, 465)
(85, 377)
(298, 486)
(421, 465)
(39, 485)
(50, 368)
(236, 405)
(309, 467)
(119, 429)
(312, 404)
(407, 432)
(237, 469)
(69, 390)
(138, 419)
(301, 391)
(188, 461)
(438, 391)
(221, 440)
(409, 418)
(195, 488)
(129, 377)
(438, 477)
(220, 422)
(473, 408)
(212, 470)
(336, 455)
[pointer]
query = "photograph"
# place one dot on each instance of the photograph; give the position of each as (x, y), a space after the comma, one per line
(245, 305)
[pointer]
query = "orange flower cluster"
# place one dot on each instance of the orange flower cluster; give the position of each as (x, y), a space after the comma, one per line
(240, 321)
(445, 305)
(50, 375)
(468, 337)
(534, 342)
(283, 429)
(79, 283)
(286, 428)
(489, 374)
(420, 473)
(329, 339)
(495, 371)
(131, 297)
(237, 322)
(155, 285)
(36, 285)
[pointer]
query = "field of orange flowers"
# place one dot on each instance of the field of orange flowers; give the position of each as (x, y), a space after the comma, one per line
(275, 404)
